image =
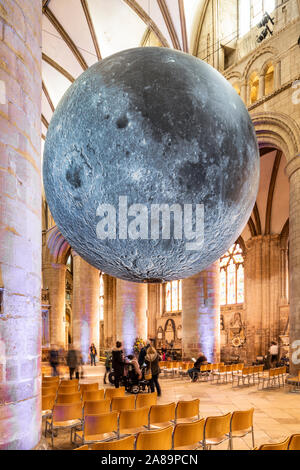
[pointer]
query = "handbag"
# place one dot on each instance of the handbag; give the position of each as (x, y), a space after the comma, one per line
(148, 374)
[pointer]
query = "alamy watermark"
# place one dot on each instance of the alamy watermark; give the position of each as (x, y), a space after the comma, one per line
(161, 221)
(296, 94)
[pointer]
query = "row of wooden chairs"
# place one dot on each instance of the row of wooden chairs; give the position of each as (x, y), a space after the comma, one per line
(203, 433)
(274, 378)
(290, 443)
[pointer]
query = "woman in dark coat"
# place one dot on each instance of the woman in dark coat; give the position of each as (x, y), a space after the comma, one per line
(152, 360)
(118, 363)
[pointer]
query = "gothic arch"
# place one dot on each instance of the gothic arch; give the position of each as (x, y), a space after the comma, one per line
(57, 248)
(257, 55)
(277, 130)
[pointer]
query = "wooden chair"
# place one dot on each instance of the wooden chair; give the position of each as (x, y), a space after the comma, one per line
(114, 392)
(161, 415)
(127, 443)
(278, 446)
(47, 406)
(145, 399)
(67, 383)
(64, 416)
(96, 407)
(294, 442)
(50, 390)
(68, 398)
(155, 440)
(93, 395)
(101, 427)
(68, 389)
(51, 380)
(89, 387)
(133, 421)
(187, 410)
(241, 424)
(188, 436)
(123, 403)
(216, 430)
(86, 447)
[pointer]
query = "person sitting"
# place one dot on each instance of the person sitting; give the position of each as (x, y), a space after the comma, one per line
(194, 372)
(134, 362)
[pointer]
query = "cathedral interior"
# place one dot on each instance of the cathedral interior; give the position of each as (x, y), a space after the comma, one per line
(232, 312)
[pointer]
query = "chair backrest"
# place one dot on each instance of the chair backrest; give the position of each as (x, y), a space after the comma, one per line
(96, 407)
(278, 446)
(294, 442)
(68, 389)
(114, 392)
(66, 412)
(169, 365)
(222, 369)
(145, 399)
(246, 370)
(49, 390)
(241, 420)
(89, 387)
(100, 424)
(68, 397)
(127, 443)
(240, 366)
(123, 403)
(130, 419)
(48, 402)
(155, 440)
(187, 409)
(187, 434)
(67, 383)
(229, 368)
(162, 413)
(93, 395)
(51, 379)
(85, 447)
(217, 426)
(203, 368)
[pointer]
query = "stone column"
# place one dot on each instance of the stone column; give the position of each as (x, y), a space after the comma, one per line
(109, 311)
(131, 309)
(244, 92)
(55, 280)
(20, 223)
(293, 172)
(261, 86)
(201, 314)
(86, 291)
(277, 75)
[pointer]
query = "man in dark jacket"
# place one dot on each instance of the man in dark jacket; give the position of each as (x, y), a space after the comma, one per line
(118, 363)
(72, 361)
(54, 360)
(142, 354)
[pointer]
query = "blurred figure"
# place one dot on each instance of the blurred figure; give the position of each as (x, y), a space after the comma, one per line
(93, 354)
(142, 354)
(273, 352)
(72, 361)
(194, 372)
(107, 364)
(152, 361)
(118, 363)
(54, 360)
(134, 362)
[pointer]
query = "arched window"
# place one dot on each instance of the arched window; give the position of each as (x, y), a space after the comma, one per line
(101, 298)
(173, 296)
(232, 276)
(251, 13)
(269, 80)
(237, 88)
(254, 84)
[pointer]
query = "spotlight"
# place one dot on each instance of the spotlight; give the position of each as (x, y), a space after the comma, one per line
(265, 20)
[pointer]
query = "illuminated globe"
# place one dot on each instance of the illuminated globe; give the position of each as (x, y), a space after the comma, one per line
(151, 165)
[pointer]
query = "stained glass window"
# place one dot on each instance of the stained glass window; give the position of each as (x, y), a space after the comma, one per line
(232, 276)
(173, 296)
(101, 298)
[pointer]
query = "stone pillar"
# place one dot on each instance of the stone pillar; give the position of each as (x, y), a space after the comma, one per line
(244, 92)
(261, 87)
(277, 75)
(201, 314)
(55, 280)
(131, 313)
(20, 223)
(293, 172)
(86, 291)
(109, 311)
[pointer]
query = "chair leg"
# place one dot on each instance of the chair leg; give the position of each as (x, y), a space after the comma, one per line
(252, 432)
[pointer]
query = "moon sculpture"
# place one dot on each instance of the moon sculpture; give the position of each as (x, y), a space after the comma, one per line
(151, 165)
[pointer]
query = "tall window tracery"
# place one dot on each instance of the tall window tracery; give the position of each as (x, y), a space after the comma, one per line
(232, 276)
(173, 296)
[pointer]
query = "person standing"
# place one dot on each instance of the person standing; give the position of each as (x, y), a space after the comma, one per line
(273, 351)
(152, 361)
(72, 361)
(93, 354)
(142, 354)
(118, 363)
(107, 365)
(54, 360)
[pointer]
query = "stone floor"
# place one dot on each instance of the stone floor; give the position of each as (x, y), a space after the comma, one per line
(276, 416)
